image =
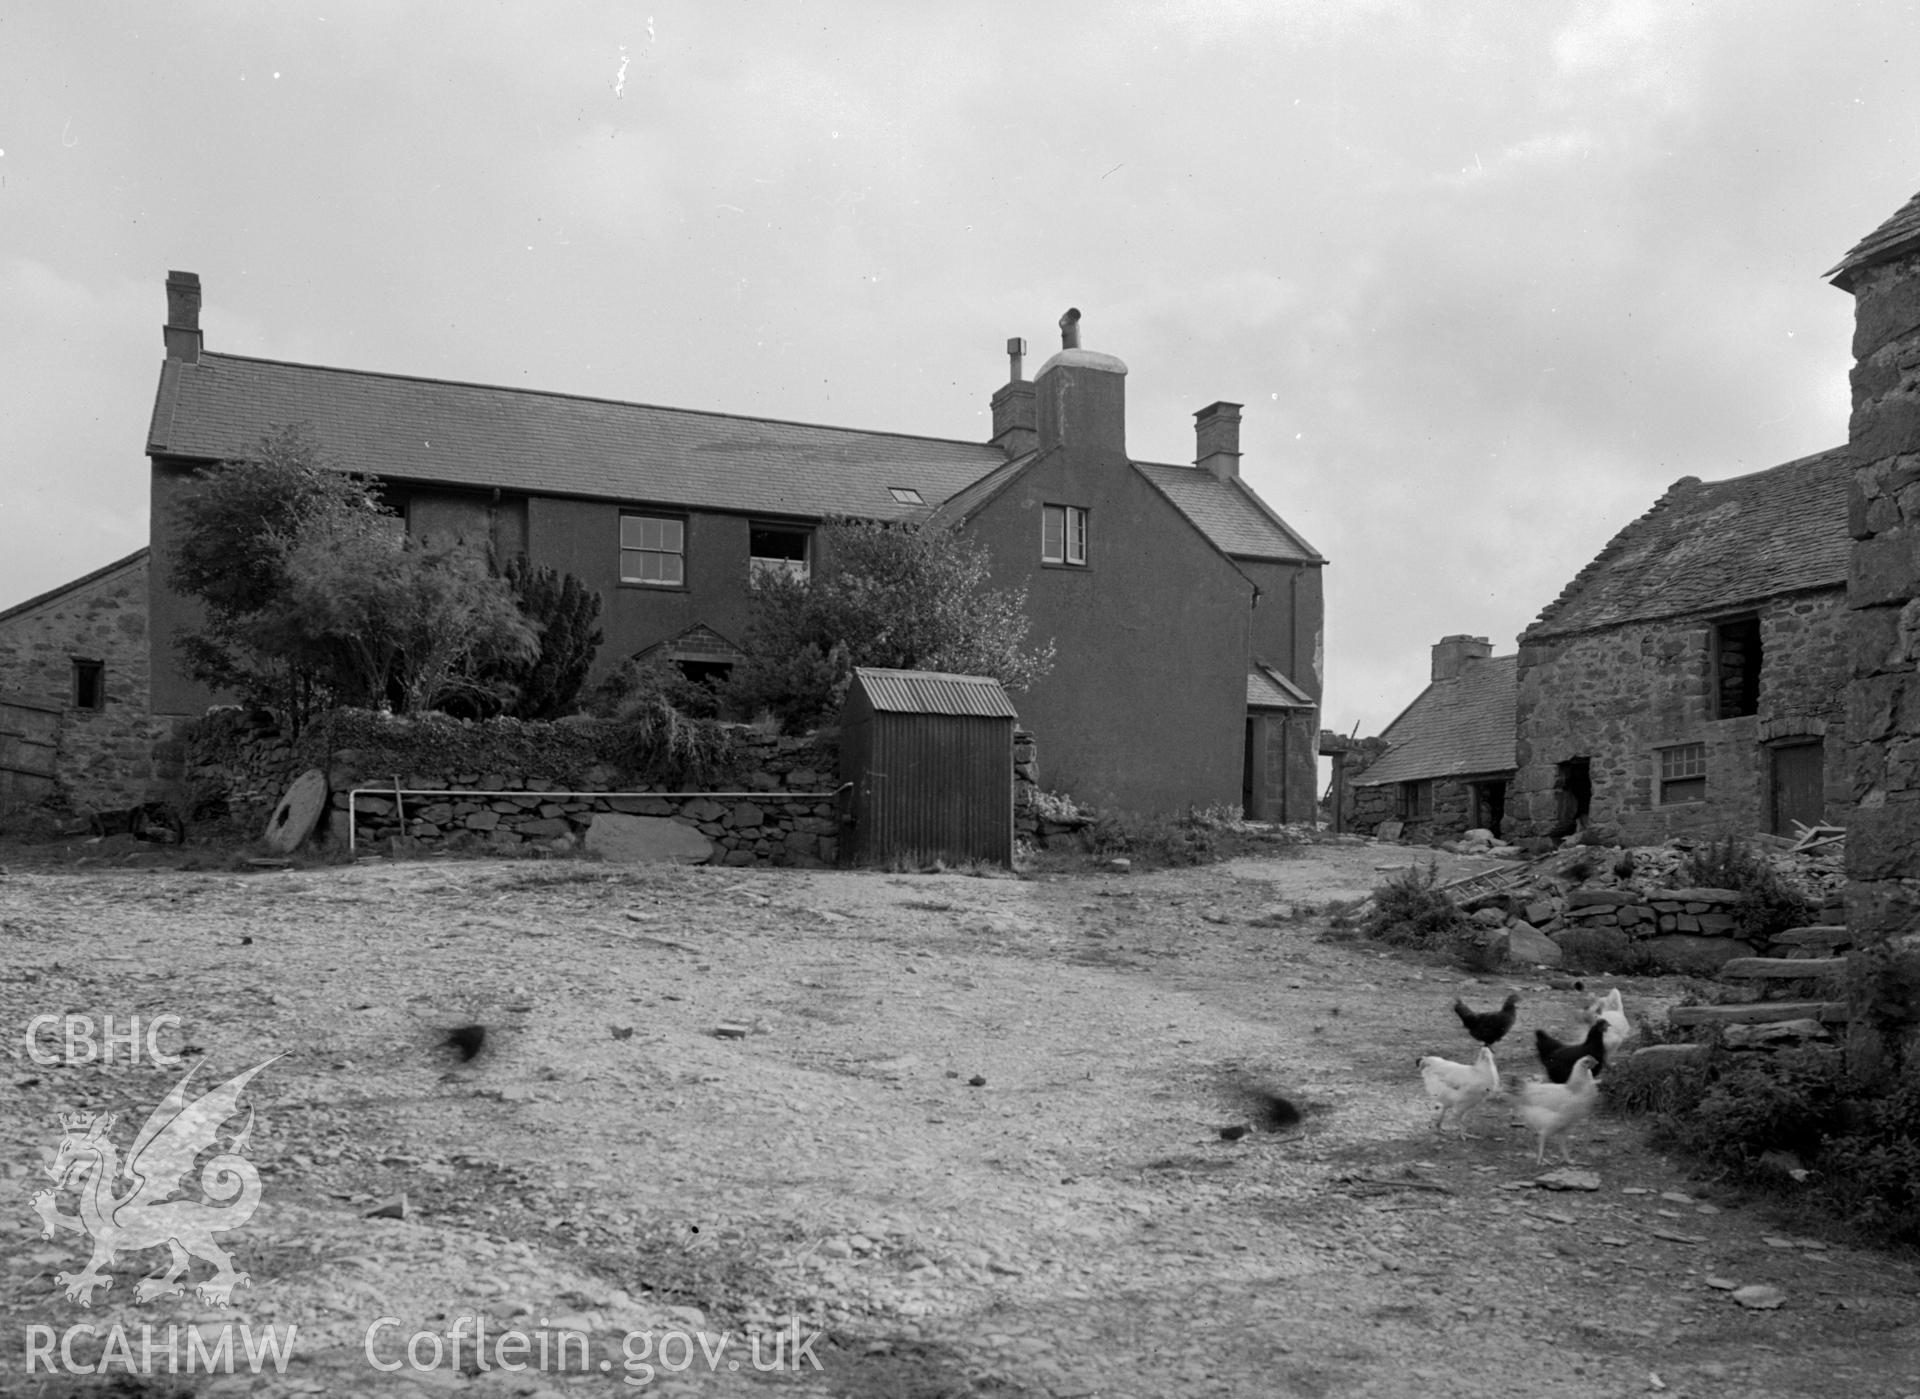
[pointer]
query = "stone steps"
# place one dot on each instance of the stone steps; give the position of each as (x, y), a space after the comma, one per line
(1760, 1013)
(1826, 936)
(1783, 968)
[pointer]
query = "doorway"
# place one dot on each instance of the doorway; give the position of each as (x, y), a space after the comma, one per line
(1799, 772)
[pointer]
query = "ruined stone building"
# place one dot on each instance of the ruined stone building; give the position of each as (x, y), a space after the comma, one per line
(1449, 755)
(1692, 678)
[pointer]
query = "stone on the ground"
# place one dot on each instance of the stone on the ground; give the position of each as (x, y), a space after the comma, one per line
(1759, 1297)
(646, 840)
(1569, 1178)
(1527, 944)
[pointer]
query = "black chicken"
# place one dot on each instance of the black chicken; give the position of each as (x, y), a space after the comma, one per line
(1487, 1026)
(1559, 1057)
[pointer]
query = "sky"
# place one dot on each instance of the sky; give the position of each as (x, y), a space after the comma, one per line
(1487, 277)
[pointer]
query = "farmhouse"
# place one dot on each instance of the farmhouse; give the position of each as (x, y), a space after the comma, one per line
(1692, 678)
(1186, 614)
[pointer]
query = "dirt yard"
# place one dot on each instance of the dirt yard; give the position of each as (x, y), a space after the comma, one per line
(967, 1130)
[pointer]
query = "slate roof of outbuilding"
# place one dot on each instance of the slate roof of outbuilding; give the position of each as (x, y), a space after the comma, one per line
(1267, 688)
(1711, 545)
(1896, 237)
(1455, 728)
(439, 431)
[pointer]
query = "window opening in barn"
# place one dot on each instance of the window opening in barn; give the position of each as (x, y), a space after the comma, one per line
(89, 684)
(653, 551)
(1063, 534)
(1736, 668)
(1683, 773)
(1416, 800)
(774, 550)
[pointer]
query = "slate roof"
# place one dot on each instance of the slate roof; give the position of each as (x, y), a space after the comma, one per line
(1267, 688)
(1710, 545)
(431, 430)
(1229, 513)
(1455, 728)
(1896, 237)
(137, 556)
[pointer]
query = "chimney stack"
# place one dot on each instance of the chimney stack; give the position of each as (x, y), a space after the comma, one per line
(1015, 413)
(1216, 433)
(182, 331)
(1082, 398)
(1452, 653)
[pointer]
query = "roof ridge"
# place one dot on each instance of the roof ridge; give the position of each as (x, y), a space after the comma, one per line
(591, 398)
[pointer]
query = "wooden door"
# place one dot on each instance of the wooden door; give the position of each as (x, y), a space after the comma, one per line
(1799, 786)
(29, 744)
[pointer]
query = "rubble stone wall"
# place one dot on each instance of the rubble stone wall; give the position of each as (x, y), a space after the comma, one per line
(1618, 696)
(1883, 700)
(104, 760)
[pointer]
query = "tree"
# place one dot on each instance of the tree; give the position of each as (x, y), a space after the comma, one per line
(390, 620)
(315, 596)
(236, 521)
(895, 596)
(565, 612)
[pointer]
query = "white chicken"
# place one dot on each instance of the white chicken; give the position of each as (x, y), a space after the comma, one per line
(1457, 1089)
(1609, 1008)
(1551, 1110)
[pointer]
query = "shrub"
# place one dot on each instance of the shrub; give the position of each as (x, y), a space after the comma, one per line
(1772, 905)
(1604, 951)
(1411, 910)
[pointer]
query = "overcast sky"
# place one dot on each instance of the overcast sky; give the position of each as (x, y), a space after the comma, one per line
(1487, 277)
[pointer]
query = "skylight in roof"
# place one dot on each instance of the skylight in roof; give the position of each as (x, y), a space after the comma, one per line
(905, 495)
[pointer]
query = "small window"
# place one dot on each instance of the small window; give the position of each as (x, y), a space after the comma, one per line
(1063, 534)
(653, 551)
(1736, 668)
(774, 550)
(1683, 773)
(89, 684)
(905, 495)
(1416, 800)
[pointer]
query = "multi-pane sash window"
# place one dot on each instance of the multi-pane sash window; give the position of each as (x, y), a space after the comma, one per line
(653, 550)
(1683, 773)
(1063, 534)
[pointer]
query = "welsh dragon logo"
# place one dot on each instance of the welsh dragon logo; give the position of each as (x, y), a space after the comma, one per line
(175, 1134)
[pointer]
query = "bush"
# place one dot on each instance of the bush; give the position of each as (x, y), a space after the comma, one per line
(1604, 952)
(1772, 905)
(1760, 1119)
(1410, 910)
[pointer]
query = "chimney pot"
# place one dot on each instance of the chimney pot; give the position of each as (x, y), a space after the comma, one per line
(1216, 434)
(1016, 357)
(182, 330)
(1070, 329)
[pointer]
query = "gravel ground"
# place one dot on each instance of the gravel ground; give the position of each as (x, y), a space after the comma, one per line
(967, 1130)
